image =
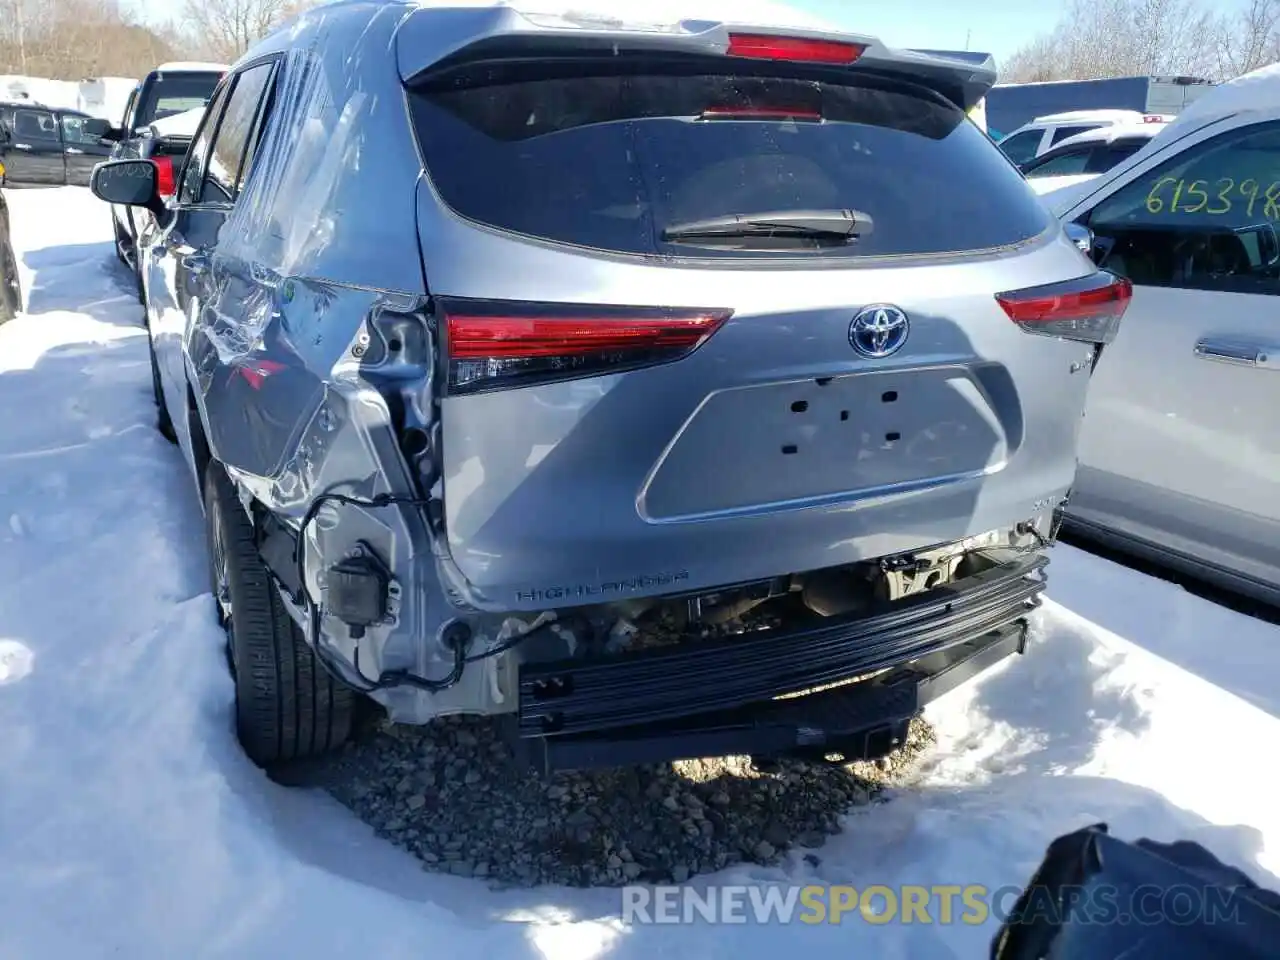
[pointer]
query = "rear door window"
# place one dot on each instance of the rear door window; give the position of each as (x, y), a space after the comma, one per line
(1072, 160)
(1022, 147)
(234, 134)
(610, 161)
(198, 156)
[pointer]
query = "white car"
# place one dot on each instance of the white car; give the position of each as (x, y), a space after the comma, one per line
(1034, 139)
(1179, 451)
(1094, 151)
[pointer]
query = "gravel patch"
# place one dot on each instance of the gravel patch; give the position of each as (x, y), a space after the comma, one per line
(449, 794)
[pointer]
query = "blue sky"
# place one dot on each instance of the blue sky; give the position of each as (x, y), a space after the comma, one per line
(941, 24)
(998, 27)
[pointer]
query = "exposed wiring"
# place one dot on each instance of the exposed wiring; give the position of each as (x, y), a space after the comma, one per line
(392, 678)
(504, 646)
(1030, 529)
(301, 598)
(457, 641)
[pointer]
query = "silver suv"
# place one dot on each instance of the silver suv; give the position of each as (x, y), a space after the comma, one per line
(646, 385)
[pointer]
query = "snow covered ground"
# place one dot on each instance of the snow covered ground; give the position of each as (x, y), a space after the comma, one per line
(131, 826)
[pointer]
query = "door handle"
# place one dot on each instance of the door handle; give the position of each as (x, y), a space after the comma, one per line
(74, 150)
(1238, 353)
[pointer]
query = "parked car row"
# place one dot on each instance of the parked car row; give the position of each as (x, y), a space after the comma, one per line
(1037, 137)
(43, 146)
(1094, 151)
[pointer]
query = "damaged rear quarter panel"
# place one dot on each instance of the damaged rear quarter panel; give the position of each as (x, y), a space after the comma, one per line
(322, 241)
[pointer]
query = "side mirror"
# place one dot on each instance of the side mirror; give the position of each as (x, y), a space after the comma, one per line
(1082, 237)
(131, 183)
(102, 130)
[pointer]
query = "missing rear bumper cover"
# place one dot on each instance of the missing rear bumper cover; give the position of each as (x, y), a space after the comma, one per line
(657, 705)
(863, 721)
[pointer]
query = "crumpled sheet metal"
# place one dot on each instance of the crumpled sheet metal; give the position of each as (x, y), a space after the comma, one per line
(331, 198)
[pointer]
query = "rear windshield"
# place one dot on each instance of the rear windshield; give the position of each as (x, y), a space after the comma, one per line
(611, 161)
(176, 93)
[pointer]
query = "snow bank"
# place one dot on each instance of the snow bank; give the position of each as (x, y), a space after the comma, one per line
(100, 96)
(131, 825)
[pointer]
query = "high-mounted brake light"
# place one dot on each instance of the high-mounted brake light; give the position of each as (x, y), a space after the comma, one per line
(166, 183)
(761, 113)
(495, 344)
(760, 46)
(1086, 309)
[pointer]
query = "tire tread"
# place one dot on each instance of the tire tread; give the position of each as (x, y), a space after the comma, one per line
(288, 707)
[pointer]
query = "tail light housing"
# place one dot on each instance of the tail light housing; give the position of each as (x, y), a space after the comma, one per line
(759, 46)
(502, 344)
(1088, 308)
(166, 182)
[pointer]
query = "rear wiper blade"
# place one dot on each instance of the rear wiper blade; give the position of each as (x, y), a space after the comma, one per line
(830, 225)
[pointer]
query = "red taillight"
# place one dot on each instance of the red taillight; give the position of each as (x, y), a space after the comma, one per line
(166, 185)
(761, 113)
(1089, 308)
(494, 344)
(763, 47)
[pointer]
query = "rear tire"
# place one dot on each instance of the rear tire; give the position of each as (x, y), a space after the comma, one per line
(288, 707)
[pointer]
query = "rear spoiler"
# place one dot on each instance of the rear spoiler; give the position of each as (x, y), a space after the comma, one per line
(434, 39)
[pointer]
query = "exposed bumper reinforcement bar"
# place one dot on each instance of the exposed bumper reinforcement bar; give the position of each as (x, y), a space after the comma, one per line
(862, 721)
(720, 698)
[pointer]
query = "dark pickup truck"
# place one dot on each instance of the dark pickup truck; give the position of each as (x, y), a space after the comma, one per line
(168, 90)
(44, 146)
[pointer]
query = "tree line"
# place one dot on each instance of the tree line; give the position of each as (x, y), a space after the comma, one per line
(74, 39)
(1120, 38)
